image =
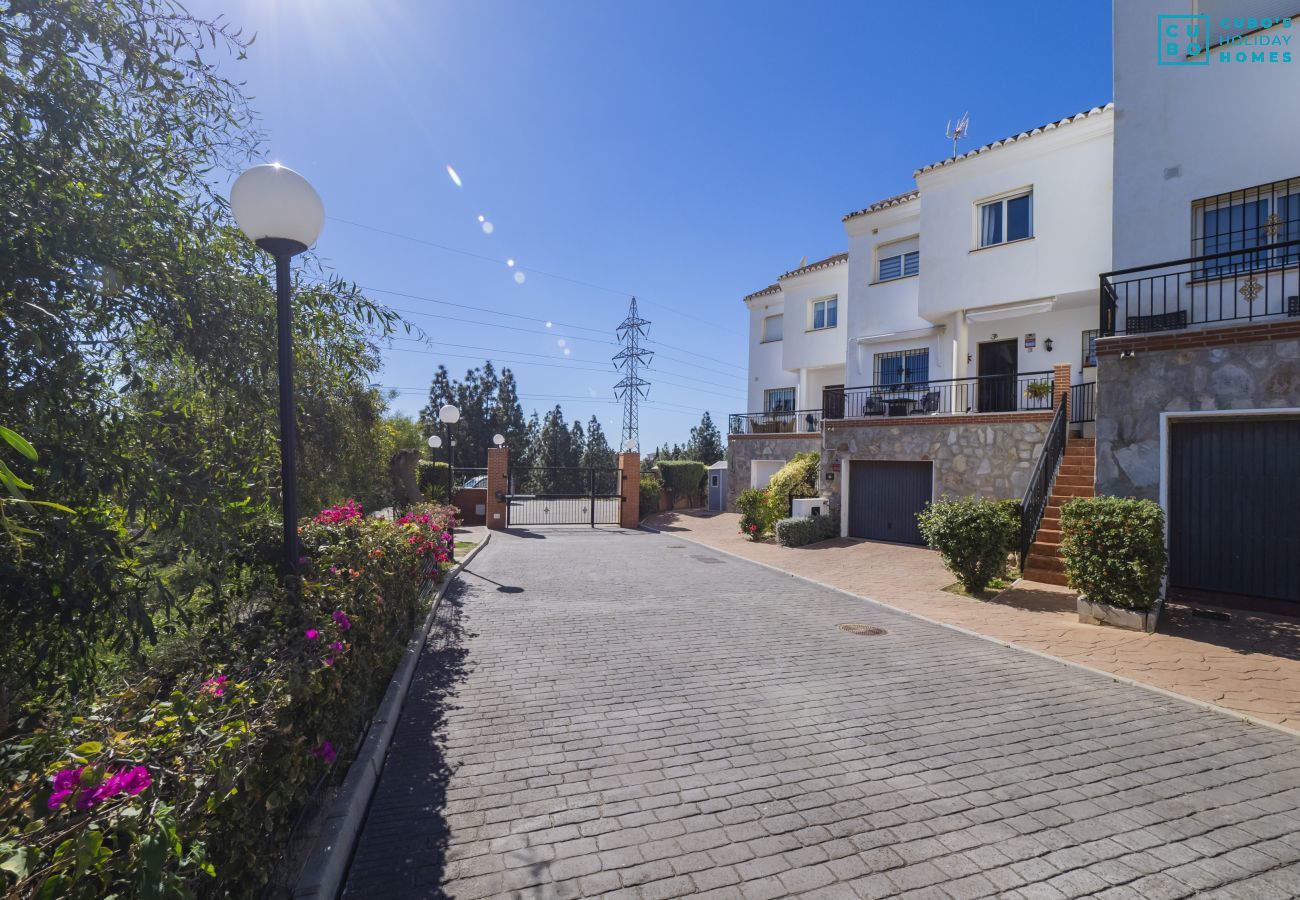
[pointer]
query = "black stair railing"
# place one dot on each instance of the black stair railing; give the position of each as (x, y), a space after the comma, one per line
(1039, 490)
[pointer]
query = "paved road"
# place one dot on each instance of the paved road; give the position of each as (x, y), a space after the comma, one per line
(617, 711)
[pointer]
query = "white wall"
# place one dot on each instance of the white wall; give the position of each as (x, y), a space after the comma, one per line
(1187, 132)
(804, 348)
(1069, 169)
(764, 358)
(1064, 324)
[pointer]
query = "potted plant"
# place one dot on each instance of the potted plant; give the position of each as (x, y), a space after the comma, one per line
(1038, 391)
(1114, 553)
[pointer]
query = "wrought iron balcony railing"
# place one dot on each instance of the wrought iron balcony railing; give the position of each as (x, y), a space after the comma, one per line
(793, 421)
(953, 396)
(1260, 281)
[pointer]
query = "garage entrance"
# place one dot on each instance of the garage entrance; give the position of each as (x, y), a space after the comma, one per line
(884, 498)
(1234, 513)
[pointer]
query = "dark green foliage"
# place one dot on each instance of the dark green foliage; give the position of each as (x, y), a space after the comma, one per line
(683, 477)
(797, 478)
(972, 535)
(433, 480)
(596, 452)
(706, 444)
(1114, 549)
(755, 513)
(800, 530)
(651, 489)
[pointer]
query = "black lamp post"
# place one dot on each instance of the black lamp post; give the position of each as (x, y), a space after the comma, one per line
(282, 213)
(449, 415)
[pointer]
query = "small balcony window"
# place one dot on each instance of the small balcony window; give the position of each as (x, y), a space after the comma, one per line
(1090, 348)
(1253, 220)
(824, 313)
(902, 369)
(1007, 219)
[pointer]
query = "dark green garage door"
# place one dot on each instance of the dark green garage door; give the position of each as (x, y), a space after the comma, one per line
(1234, 513)
(884, 498)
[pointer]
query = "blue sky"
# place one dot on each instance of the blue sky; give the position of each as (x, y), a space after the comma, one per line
(685, 152)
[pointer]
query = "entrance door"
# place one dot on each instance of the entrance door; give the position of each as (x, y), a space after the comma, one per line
(1234, 513)
(884, 498)
(833, 401)
(997, 376)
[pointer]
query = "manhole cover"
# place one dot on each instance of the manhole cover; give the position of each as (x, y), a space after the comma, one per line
(864, 630)
(708, 559)
(675, 546)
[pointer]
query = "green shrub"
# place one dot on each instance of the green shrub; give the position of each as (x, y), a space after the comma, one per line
(800, 530)
(797, 478)
(1114, 549)
(651, 489)
(972, 535)
(1013, 509)
(433, 480)
(186, 778)
(755, 513)
(683, 478)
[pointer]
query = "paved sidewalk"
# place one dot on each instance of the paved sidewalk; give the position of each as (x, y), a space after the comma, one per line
(624, 713)
(1250, 665)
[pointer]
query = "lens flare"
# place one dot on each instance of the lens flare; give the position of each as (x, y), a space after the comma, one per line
(567, 351)
(519, 278)
(488, 228)
(560, 342)
(549, 323)
(510, 263)
(455, 179)
(482, 218)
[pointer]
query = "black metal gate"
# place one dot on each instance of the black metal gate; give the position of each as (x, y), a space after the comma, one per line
(884, 498)
(563, 496)
(1234, 513)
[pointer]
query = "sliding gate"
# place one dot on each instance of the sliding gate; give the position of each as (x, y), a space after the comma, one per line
(563, 496)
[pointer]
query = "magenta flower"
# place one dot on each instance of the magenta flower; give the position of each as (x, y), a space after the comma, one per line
(130, 781)
(446, 536)
(337, 646)
(65, 782)
(326, 752)
(311, 634)
(215, 687)
(341, 620)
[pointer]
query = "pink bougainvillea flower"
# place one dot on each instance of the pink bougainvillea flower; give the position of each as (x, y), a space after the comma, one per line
(329, 661)
(446, 536)
(334, 570)
(65, 782)
(341, 620)
(337, 646)
(311, 634)
(129, 781)
(325, 751)
(215, 686)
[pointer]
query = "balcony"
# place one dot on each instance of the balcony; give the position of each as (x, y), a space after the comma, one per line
(794, 421)
(1022, 392)
(1260, 282)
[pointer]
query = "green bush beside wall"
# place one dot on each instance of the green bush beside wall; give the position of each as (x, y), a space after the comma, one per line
(1114, 549)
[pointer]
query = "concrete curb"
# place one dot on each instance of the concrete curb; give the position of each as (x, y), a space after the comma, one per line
(1121, 679)
(326, 867)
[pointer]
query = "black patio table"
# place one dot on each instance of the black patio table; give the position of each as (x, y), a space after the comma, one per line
(900, 406)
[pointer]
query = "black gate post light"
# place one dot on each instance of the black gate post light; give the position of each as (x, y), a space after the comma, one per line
(282, 213)
(449, 416)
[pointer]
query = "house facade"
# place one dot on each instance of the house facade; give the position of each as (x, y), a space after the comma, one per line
(960, 301)
(1198, 403)
(1130, 273)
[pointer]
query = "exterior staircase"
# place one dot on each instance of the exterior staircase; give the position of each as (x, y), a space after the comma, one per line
(1075, 478)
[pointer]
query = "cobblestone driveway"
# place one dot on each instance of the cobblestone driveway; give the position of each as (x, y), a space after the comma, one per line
(617, 711)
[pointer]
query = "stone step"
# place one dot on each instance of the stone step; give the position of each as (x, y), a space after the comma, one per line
(1063, 492)
(1047, 563)
(1041, 549)
(1068, 468)
(1081, 442)
(1080, 480)
(1050, 536)
(1044, 576)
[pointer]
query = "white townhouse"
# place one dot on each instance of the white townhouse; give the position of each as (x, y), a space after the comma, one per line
(1198, 397)
(974, 295)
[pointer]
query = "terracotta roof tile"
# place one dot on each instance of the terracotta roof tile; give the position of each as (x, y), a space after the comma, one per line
(1050, 126)
(770, 289)
(820, 264)
(895, 200)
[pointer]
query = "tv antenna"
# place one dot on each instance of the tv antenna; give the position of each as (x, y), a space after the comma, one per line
(956, 132)
(632, 387)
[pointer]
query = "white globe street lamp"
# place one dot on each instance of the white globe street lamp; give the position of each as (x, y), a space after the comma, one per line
(498, 439)
(629, 445)
(434, 442)
(281, 212)
(449, 415)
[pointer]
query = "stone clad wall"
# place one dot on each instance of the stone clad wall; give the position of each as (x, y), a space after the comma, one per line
(742, 449)
(981, 456)
(1182, 372)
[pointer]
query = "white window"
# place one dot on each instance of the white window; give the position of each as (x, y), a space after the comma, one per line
(1251, 220)
(1007, 219)
(824, 313)
(778, 400)
(772, 328)
(898, 259)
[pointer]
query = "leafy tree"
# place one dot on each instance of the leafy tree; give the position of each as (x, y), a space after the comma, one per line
(706, 443)
(596, 453)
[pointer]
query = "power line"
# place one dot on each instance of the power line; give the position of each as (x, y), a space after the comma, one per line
(479, 256)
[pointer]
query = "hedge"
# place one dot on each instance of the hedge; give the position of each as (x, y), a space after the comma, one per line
(972, 536)
(800, 530)
(433, 479)
(651, 489)
(682, 477)
(187, 778)
(755, 513)
(1114, 550)
(797, 478)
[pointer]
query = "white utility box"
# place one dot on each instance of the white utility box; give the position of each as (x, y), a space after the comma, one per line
(808, 506)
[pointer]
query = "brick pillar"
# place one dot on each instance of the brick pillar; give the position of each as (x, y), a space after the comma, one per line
(498, 484)
(1060, 383)
(629, 479)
